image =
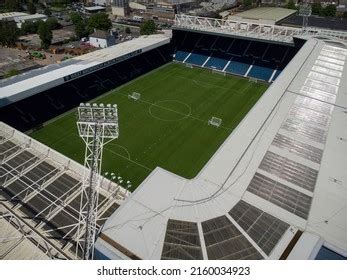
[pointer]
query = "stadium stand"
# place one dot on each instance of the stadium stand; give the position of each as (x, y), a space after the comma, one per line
(260, 60)
(33, 111)
(42, 189)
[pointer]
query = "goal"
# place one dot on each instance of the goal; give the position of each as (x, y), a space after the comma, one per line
(189, 65)
(216, 71)
(134, 95)
(254, 80)
(215, 121)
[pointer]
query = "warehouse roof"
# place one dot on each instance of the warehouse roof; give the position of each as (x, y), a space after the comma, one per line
(268, 14)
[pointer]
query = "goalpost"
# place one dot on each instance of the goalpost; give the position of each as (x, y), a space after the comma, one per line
(189, 65)
(215, 121)
(254, 80)
(216, 71)
(135, 95)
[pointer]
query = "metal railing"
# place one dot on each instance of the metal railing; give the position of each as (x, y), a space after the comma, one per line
(262, 31)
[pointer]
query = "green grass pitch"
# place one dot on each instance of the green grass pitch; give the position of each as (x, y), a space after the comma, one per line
(168, 126)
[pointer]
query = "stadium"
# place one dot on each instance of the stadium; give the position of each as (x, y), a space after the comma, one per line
(232, 136)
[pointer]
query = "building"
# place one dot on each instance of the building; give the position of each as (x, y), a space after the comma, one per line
(26, 18)
(19, 18)
(268, 15)
(94, 9)
(137, 6)
(102, 39)
(11, 15)
(103, 2)
(120, 8)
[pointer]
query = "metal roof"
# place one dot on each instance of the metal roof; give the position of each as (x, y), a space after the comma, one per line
(40, 199)
(12, 15)
(254, 30)
(270, 14)
(38, 80)
(284, 163)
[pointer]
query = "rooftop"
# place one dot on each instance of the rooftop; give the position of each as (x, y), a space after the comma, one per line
(266, 14)
(100, 34)
(337, 23)
(94, 8)
(28, 17)
(12, 15)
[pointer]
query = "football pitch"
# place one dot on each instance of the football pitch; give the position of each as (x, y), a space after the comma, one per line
(167, 127)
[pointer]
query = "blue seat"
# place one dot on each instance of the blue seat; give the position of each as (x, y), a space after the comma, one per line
(181, 55)
(216, 63)
(260, 72)
(238, 68)
(197, 59)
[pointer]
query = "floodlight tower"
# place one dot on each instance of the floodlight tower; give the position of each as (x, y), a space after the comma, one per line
(305, 11)
(97, 125)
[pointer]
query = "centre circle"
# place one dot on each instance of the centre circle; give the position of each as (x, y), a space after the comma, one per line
(170, 110)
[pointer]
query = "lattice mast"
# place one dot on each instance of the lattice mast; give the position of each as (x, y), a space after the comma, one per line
(305, 11)
(97, 125)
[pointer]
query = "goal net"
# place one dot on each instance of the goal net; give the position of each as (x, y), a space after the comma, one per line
(216, 71)
(189, 65)
(254, 80)
(134, 95)
(215, 121)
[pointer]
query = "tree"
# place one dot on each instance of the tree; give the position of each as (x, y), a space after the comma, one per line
(291, 5)
(75, 17)
(247, 3)
(52, 23)
(10, 73)
(147, 27)
(329, 11)
(31, 7)
(8, 33)
(47, 12)
(28, 27)
(127, 30)
(81, 29)
(80, 25)
(45, 35)
(12, 5)
(60, 3)
(99, 21)
(316, 8)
